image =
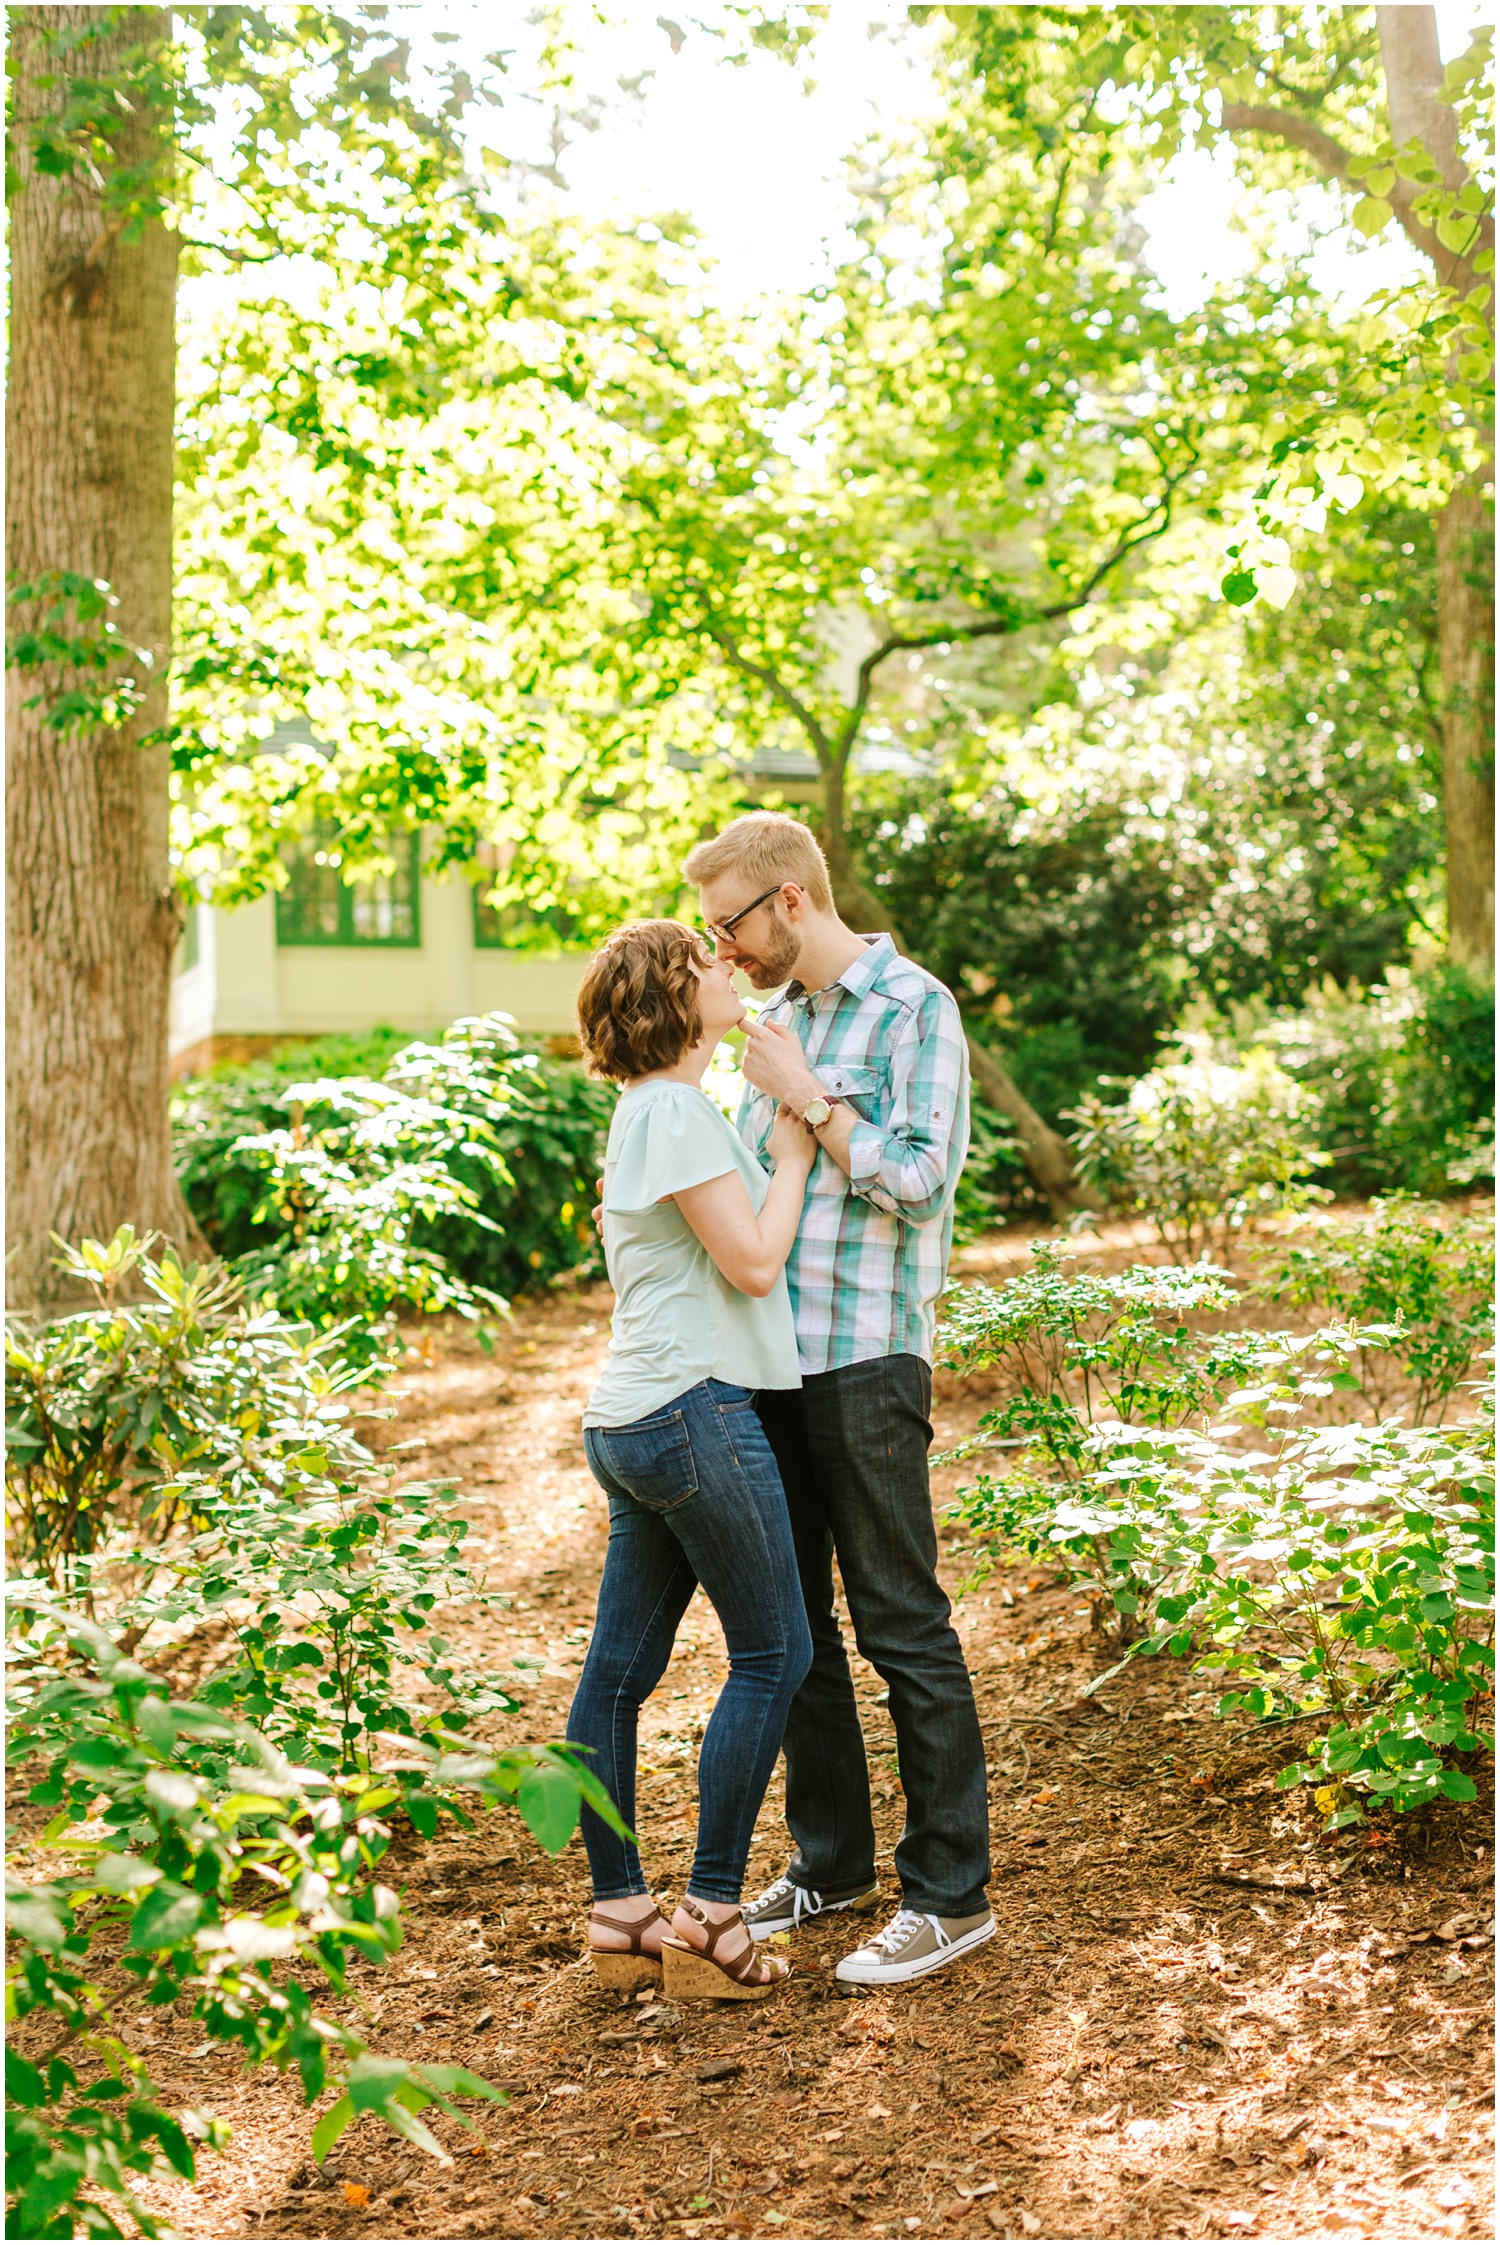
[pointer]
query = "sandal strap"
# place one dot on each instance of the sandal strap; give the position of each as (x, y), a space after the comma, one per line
(747, 1972)
(635, 1927)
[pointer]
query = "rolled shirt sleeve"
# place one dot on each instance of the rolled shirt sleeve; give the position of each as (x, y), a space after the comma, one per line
(909, 1165)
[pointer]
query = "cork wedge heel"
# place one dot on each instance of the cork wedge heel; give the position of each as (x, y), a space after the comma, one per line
(626, 1970)
(692, 1975)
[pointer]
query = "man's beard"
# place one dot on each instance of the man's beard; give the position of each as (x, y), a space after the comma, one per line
(783, 948)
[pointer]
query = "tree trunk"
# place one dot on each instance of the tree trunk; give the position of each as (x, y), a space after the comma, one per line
(1466, 654)
(1044, 1153)
(1466, 581)
(93, 920)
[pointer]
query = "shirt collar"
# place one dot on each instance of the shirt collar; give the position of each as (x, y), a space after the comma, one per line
(860, 975)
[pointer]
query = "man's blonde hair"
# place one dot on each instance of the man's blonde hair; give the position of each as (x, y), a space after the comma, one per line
(765, 849)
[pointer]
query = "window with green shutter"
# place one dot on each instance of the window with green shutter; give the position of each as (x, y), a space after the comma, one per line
(319, 906)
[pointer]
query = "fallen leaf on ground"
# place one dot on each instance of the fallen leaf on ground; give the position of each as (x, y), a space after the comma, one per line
(356, 2194)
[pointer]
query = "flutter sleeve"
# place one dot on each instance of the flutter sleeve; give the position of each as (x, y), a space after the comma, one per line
(668, 1146)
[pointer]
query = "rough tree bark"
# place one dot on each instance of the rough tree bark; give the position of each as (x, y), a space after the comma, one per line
(1466, 658)
(1465, 533)
(1413, 69)
(92, 920)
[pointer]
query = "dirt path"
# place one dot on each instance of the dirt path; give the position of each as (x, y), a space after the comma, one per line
(1197, 2020)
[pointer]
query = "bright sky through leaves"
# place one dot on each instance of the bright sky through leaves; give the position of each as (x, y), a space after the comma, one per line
(757, 153)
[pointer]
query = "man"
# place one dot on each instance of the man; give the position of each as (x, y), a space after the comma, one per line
(867, 1047)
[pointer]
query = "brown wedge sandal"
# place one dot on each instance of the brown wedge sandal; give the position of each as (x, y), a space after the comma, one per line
(626, 1969)
(698, 1976)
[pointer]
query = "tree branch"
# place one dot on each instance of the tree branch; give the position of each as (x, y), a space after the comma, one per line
(1152, 525)
(1298, 132)
(823, 747)
(1334, 159)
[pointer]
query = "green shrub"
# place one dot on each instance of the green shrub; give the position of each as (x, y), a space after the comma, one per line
(326, 1589)
(191, 1801)
(104, 1406)
(1080, 1349)
(1404, 1078)
(993, 1179)
(1201, 1149)
(1405, 1262)
(510, 1171)
(1341, 1575)
(549, 1121)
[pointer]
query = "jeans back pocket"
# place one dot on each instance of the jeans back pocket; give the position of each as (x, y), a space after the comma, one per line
(653, 1460)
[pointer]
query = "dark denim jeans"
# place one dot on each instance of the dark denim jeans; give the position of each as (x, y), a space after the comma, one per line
(694, 1497)
(852, 1447)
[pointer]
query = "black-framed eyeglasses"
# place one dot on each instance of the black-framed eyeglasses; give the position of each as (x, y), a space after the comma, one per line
(722, 931)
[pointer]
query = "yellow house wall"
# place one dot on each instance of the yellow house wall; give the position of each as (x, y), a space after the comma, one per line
(245, 984)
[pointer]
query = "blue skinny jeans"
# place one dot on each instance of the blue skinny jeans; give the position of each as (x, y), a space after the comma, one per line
(694, 1497)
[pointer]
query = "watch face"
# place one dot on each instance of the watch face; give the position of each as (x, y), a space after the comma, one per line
(817, 1112)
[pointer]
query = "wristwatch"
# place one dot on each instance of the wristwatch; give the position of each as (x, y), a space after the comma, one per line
(817, 1111)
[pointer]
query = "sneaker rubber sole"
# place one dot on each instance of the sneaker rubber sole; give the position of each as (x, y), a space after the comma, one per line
(896, 1974)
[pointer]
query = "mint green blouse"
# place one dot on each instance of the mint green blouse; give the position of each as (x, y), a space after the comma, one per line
(677, 1319)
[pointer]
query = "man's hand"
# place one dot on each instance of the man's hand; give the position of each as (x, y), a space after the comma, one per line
(596, 1214)
(774, 1062)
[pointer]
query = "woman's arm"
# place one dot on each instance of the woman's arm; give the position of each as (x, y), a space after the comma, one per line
(751, 1250)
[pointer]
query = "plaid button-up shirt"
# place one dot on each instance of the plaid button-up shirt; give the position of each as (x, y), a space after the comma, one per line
(872, 1250)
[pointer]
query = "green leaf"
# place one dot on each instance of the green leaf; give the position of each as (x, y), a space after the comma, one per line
(33, 1917)
(173, 2140)
(157, 1723)
(373, 2081)
(1371, 215)
(164, 1918)
(171, 1791)
(457, 2081)
(1239, 587)
(24, 2085)
(548, 1802)
(1456, 1786)
(422, 1813)
(123, 1874)
(327, 2131)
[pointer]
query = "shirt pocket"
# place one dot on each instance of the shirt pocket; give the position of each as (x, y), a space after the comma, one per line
(652, 1459)
(860, 1088)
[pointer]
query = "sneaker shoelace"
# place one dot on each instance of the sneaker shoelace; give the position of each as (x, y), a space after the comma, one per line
(802, 1901)
(904, 1926)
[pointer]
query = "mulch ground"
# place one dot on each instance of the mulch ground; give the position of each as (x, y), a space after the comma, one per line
(1199, 2018)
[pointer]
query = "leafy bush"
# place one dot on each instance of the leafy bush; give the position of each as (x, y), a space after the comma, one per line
(358, 1169)
(105, 1405)
(1404, 1077)
(1201, 1149)
(191, 1801)
(507, 1146)
(1056, 927)
(326, 1588)
(993, 1179)
(1404, 1262)
(1344, 1576)
(549, 1121)
(1080, 1349)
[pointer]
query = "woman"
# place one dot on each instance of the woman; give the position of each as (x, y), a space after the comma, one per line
(696, 1237)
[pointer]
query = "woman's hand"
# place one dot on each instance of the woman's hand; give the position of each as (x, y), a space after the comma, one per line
(791, 1141)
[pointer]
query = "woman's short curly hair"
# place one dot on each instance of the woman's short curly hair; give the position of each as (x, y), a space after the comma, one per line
(638, 1002)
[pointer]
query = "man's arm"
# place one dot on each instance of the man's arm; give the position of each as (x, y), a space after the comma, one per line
(909, 1165)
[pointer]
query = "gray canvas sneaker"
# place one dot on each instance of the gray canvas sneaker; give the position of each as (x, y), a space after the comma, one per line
(785, 1906)
(913, 1944)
